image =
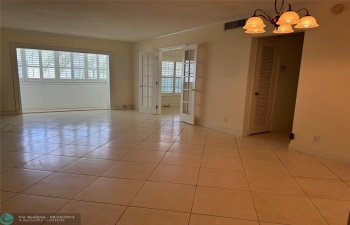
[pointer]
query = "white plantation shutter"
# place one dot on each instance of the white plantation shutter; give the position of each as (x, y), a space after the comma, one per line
(32, 63)
(92, 66)
(79, 65)
(102, 67)
(61, 65)
(65, 65)
(48, 64)
(19, 63)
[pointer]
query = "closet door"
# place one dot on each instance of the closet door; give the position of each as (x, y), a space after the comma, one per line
(265, 73)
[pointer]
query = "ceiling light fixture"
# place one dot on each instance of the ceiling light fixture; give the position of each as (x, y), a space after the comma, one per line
(283, 22)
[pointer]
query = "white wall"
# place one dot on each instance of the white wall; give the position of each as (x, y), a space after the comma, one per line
(120, 73)
(41, 97)
(323, 98)
(171, 100)
(223, 59)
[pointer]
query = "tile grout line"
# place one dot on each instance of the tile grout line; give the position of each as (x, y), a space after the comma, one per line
(127, 207)
(250, 191)
(195, 191)
(306, 195)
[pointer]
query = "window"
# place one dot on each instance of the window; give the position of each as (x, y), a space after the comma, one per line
(171, 77)
(46, 65)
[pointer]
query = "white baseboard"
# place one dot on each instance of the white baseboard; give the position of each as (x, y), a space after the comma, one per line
(223, 129)
(313, 151)
(60, 109)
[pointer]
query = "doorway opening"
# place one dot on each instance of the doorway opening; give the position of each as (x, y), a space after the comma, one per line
(168, 76)
(52, 80)
(170, 81)
(275, 83)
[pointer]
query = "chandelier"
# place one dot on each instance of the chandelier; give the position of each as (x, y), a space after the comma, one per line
(283, 22)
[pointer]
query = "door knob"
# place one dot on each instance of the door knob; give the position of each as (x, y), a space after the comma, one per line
(256, 93)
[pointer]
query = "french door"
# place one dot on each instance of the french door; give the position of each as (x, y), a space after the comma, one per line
(148, 75)
(188, 91)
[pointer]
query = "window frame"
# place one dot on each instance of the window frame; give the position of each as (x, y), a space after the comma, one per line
(57, 78)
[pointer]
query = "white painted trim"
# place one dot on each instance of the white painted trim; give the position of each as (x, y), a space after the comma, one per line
(172, 48)
(62, 110)
(316, 152)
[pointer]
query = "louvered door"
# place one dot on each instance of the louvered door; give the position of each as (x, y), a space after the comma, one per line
(267, 58)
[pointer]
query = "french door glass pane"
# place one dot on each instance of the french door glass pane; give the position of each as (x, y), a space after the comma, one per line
(178, 69)
(186, 108)
(178, 85)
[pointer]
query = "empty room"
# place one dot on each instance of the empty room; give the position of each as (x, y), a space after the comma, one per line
(175, 112)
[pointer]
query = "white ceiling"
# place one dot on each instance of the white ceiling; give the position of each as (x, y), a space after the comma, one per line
(122, 20)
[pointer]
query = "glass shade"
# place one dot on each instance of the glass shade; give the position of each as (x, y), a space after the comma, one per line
(289, 17)
(284, 29)
(255, 30)
(254, 22)
(307, 22)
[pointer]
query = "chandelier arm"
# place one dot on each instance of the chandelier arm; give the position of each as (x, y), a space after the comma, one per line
(279, 11)
(287, 8)
(265, 15)
(307, 11)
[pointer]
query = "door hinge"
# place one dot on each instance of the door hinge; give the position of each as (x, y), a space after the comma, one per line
(156, 107)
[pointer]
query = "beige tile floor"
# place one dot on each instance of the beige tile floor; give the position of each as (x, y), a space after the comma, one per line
(127, 168)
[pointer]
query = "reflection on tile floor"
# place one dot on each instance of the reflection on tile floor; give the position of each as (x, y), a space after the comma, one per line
(128, 168)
